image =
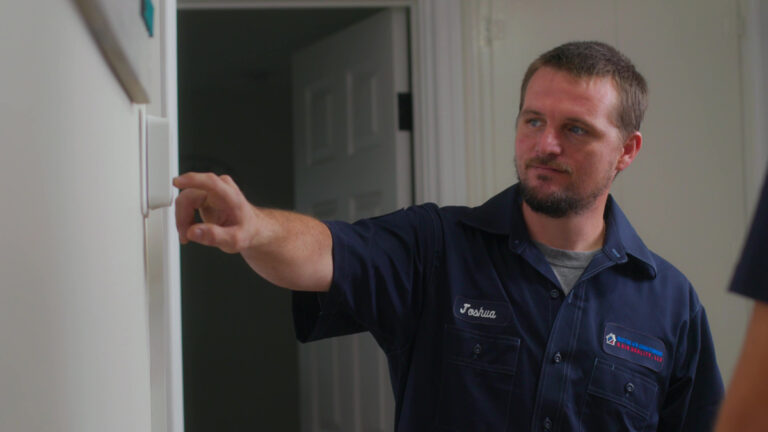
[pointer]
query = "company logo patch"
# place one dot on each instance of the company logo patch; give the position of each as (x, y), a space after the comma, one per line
(634, 346)
(479, 311)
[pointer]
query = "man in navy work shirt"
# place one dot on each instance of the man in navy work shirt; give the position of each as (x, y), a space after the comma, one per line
(744, 406)
(540, 310)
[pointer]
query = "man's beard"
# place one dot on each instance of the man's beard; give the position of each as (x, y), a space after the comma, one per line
(557, 204)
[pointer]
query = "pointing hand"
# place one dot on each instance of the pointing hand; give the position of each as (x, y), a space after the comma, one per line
(229, 221)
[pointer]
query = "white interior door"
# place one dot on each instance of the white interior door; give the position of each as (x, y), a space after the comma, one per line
(351, 162)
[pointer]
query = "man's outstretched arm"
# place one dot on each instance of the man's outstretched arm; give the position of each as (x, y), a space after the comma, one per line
(288, 249)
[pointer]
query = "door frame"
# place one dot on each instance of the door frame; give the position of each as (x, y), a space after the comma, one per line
(168, 394)
(437, 78)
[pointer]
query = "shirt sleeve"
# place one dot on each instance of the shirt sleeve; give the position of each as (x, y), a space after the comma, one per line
(696, 388)
(381, 267)
(751, 276)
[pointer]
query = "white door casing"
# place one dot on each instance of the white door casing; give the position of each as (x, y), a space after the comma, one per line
(351, 162)
(163, 267)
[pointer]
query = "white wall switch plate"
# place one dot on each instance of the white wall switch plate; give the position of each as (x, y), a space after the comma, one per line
(158, 159)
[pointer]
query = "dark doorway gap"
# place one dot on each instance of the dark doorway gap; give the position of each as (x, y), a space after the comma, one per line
(239, 352)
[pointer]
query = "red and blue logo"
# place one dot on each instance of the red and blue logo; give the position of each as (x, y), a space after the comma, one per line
(634, 346)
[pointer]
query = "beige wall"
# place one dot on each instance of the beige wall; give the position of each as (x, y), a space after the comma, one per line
(685, 193)
(73, 303)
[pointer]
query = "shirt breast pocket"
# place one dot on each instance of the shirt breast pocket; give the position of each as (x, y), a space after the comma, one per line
(619, 399)
(477, 380)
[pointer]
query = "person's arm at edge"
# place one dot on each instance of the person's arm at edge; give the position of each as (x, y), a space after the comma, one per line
(744, 408)
(291, 250)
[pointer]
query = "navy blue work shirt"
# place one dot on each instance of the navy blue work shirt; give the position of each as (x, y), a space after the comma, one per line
(479, 336)
(751, 276)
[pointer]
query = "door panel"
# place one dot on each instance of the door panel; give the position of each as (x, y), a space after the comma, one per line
(351, 162)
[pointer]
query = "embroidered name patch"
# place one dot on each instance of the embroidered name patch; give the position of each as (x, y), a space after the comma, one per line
(634, 346)
(485, 312)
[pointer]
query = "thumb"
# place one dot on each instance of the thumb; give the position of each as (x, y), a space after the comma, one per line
(209, 234)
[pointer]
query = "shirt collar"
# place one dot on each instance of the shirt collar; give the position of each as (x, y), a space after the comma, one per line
(503, 215)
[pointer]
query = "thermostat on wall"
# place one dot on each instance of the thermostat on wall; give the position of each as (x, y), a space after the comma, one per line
(157, 189)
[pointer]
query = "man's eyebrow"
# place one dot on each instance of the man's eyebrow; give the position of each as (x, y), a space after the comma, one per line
(580, 121)
(529, 111)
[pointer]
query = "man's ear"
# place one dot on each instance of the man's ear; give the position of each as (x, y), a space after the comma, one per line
(629, 150)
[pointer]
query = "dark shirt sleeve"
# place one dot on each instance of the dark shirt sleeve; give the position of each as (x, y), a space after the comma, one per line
(696, 388)
(381, 267)
(751, 276)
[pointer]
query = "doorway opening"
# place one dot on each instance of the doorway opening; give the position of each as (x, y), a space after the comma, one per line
(241, 361)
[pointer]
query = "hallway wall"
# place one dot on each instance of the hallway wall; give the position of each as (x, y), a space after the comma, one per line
(74, 345)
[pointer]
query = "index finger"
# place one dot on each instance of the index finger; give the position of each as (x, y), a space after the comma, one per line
(186, 203)
(208, 182)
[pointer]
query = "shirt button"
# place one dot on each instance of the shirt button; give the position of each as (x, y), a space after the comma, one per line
(557, 358)
(477, 349)
(629, 387)
(554, 293)
(547, 423)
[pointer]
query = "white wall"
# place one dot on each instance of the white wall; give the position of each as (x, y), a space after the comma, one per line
(685, 193)
(74, 346)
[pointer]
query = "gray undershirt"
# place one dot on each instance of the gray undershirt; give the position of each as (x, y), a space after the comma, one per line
(567, 265)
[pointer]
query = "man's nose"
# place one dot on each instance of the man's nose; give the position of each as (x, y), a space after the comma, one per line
(548, 142)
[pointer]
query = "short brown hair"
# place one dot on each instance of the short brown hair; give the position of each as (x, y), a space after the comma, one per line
(598, 59)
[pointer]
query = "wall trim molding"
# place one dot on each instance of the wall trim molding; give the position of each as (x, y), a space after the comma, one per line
(438, 86)
(478, 69)
(172, 375)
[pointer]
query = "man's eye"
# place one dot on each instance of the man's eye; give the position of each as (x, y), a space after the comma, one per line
(534, 122)
(577, 130)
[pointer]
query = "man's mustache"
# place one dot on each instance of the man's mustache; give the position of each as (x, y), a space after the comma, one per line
(548, 162)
